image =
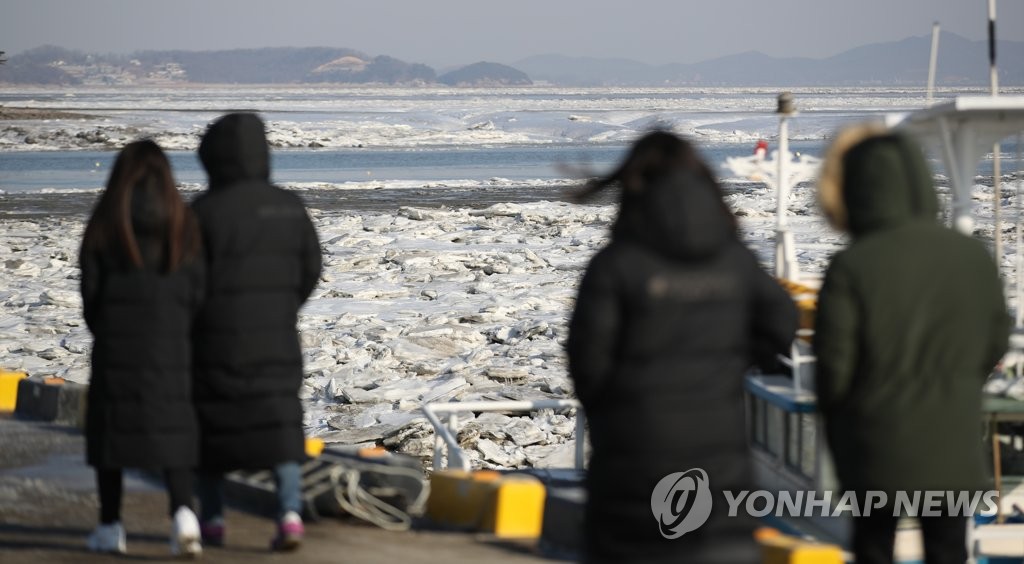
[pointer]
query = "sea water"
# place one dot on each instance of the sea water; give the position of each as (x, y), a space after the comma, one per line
(336, 136)
(360, 138)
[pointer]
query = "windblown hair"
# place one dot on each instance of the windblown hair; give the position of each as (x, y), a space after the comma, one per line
(141, 198)
(652, 158)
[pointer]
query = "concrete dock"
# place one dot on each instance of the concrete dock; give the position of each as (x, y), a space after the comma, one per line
(48, 506)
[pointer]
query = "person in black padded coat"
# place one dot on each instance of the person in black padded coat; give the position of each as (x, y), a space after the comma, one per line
(263, 259)
(142, 284)
(670, 314)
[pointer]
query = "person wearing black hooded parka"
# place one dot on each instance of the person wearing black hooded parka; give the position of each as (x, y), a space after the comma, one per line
(263, 258)
(669, 317)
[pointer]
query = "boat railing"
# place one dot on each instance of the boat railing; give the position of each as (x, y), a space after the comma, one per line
(446, 433)
(800, 361)
(787, 442)
(783, 425)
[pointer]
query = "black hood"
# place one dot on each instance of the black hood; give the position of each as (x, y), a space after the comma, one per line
(681, 216)
(234, 149)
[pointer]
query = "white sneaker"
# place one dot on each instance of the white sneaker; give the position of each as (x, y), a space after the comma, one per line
(108, 538)
(185, 534)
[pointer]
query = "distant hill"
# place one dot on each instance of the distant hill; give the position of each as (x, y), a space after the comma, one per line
(276, 65)
(41, 66)
(587, 71)
(485, 74)
(961, 62)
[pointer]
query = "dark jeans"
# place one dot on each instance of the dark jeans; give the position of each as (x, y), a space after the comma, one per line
(874, 538)
(287, 478)
(110, 484)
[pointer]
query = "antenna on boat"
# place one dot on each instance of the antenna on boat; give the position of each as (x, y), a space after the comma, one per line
(993, 75)
(932, 61)
(997, 192)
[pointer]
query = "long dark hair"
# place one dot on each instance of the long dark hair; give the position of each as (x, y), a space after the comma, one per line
(142, 169)
(652, 158)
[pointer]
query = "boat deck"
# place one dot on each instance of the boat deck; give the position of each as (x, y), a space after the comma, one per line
(790, 454)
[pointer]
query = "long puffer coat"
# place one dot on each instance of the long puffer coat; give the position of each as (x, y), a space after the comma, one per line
(263, 261)
(911, 320)
(669, 317)
(140, 412)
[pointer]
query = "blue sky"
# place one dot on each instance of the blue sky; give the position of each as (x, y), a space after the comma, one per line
(453, 32)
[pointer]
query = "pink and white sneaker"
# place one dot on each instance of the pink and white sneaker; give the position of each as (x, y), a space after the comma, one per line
(289, 532)
(212, 531)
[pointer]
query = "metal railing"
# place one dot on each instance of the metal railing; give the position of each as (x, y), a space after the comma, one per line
(446, 435)
(801, 365)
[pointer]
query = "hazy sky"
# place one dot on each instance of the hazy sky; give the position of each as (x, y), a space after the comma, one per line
(453, 32)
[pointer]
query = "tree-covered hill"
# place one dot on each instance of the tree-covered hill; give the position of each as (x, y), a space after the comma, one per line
(485, 74)
(272, 65)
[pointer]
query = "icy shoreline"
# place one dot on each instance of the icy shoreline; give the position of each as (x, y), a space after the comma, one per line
(418, 305)
(415, 306)
(440, 282)
(312, 117)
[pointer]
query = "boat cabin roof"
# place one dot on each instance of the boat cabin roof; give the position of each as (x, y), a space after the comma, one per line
(990, 117)
(964, 130)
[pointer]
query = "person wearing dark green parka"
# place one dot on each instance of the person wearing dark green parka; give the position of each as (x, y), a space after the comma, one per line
(911, 320)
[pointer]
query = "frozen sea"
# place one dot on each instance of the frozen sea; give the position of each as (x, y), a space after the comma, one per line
(451, 254)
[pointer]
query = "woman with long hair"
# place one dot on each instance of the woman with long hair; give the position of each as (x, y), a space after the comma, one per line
(669, 316)
(142, 284)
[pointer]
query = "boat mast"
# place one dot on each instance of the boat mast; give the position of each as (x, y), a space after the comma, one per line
(993, 75)
(932, 62)
(780, 173)
(997, 192)
(786, 266)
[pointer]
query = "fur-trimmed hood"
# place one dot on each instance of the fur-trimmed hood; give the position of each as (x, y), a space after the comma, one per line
(873, 178)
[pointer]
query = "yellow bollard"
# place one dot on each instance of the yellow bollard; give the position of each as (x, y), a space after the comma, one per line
(9, 389)
(781, 549)
(506, 505)
(314, 447)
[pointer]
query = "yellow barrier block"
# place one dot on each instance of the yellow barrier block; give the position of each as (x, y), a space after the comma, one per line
(508, 506)
(314, 447)
(789, 550)
(9, 389)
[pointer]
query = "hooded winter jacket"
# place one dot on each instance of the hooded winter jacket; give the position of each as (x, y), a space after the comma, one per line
(263, 261)
(911, 320)
(669, 317)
